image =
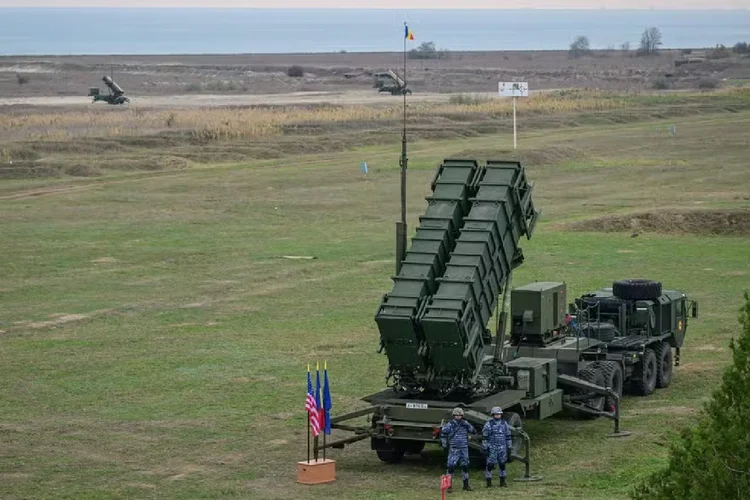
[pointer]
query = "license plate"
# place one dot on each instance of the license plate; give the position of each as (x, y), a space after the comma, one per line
(416, 406)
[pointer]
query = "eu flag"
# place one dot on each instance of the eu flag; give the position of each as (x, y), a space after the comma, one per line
(327, 399)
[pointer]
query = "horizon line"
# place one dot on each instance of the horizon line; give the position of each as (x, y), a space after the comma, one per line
(207, 7)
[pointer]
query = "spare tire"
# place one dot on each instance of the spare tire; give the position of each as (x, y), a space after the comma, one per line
(606, 332)
(605, 304)
(637, 289)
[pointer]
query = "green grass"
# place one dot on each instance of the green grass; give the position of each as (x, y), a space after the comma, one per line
(182, 375)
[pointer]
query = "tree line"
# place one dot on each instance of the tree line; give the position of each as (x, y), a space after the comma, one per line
(649, 45)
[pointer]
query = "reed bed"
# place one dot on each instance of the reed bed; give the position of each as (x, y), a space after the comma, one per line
(219, 124)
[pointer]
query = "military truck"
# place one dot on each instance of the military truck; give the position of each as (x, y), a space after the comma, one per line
(389, 81)
(115, 96)
(433, 323)
(620, 337)
(640, 324)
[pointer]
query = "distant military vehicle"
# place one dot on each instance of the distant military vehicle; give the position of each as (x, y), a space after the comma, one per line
(115, 96)
(390, 82)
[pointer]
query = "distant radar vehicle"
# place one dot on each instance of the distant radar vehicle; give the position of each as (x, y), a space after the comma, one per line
(115, 96)
(390, 82)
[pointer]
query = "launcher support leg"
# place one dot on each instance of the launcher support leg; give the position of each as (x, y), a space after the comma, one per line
(527, 477)
(617, 432)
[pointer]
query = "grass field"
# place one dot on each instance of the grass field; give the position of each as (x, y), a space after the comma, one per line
(154, 340)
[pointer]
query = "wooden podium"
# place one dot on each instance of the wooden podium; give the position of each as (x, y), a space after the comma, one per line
(316, 471)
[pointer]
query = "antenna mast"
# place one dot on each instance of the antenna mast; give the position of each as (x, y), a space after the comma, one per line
(403, 163)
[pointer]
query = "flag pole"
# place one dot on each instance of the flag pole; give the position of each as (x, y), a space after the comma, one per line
(308, 421)
(317, 392)
(325, 415)
(403, 162)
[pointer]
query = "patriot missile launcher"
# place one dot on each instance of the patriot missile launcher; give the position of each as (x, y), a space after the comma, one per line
(433, 323)
(115, 96)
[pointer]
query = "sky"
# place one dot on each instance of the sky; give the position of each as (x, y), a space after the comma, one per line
(395, 4)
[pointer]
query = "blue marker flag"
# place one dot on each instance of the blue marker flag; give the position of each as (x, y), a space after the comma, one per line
(327, 404)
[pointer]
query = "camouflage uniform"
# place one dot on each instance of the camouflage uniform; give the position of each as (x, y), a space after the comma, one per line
(455, 434)
(497, 444)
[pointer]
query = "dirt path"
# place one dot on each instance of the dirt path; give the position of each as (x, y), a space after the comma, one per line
(215, 100)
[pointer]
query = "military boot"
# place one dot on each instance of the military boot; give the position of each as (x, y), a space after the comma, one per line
(503, 484)
(489, 482)
(466, 485)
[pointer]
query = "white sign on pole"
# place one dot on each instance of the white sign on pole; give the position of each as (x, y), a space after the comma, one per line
(514, 90)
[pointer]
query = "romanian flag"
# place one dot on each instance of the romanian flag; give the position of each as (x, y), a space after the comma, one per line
(408, 33)
(318, 405)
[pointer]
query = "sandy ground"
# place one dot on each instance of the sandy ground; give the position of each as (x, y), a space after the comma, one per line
(53, 83)
(346, 76)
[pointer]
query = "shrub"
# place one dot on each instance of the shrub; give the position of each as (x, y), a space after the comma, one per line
(707, 84)
(296, 71)
(660, 84)
(467, 99)
(427, 50)
(712, 460)
(718, 52)
(579, 47)
(741, 48)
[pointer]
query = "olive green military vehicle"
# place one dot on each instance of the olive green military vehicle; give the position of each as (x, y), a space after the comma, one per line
(433, 324)
(115, 96)
(390, 82)
(621, 337)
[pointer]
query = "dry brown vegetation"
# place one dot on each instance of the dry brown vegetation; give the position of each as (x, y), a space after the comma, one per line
(729, 222)
(50, 143)
(255, 122)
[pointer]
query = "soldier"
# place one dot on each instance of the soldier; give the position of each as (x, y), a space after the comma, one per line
(496, 443)
(455, 434)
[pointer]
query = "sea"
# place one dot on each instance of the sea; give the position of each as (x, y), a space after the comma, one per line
(75, 31)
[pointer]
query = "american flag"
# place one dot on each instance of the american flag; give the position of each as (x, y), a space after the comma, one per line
(312, 406)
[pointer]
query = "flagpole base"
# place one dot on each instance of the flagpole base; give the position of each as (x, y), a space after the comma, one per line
(316, 471)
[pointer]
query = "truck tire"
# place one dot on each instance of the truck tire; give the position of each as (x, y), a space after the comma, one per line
(593, 375)
(413, 447)
(644, 375)
(613, 378)
(605, 304)
(663, 365)
(392, 455)
(606, 332)
(636, 289)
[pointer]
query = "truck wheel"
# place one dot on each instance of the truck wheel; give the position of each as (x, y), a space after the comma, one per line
(613, 379)
(594, 376)
(514, 420)
(391, 456)
(637, 289)
(644, 380)
(663, 365)
(413, 447)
